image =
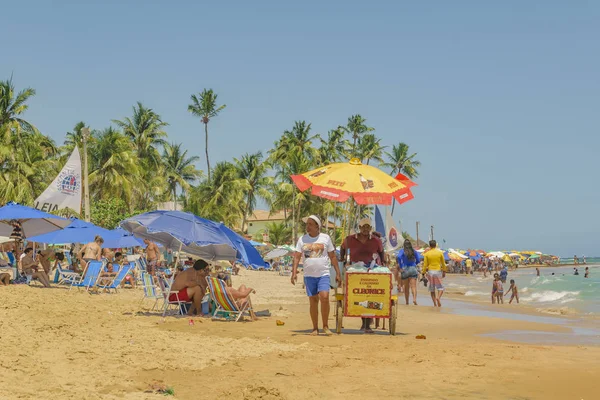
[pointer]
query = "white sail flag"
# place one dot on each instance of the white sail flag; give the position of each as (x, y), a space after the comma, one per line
(390, 234)
(65, 189)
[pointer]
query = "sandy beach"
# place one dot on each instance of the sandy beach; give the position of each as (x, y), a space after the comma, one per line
(63, 344)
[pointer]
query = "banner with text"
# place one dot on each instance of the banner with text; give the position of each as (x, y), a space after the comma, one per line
(65, 189)
(368, 295)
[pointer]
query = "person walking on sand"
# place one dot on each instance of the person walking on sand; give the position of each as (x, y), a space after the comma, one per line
(319, 253)
(435, 267)
(406, 275)
(514, 290)
(366, 247)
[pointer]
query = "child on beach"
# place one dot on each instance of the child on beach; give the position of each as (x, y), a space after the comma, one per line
(497, 290)
(515, 292)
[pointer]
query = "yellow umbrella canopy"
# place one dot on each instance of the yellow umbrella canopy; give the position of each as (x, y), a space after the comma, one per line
(365, 183)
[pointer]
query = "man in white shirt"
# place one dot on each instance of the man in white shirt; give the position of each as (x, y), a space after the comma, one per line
(319, 254)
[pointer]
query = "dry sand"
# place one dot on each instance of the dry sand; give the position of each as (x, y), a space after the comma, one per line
(60, 344)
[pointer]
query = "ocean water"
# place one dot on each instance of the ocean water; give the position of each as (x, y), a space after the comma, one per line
(561, 292)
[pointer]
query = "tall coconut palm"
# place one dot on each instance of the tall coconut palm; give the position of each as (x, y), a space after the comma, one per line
(369, 148)
(357, 127)
(252, 170)
(218, 199)
(400, 160)
(12, 107)
(333, 149)
(205, 106)
(115, 170)
(180, 169)
(146, 130)
(29, 170)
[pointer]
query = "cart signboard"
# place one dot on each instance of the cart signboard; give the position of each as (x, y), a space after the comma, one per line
(368, 295)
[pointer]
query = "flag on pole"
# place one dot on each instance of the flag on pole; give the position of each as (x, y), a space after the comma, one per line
(388, 230)
(65, 189)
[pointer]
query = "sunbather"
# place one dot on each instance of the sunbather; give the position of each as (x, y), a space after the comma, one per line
(241, 296)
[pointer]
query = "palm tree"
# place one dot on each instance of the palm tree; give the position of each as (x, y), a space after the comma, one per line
(12, 107)
(369, 148)
(145, 129)
(401, 161)
(219, 198)
(115, 170)
(180, 169)
(334, 148)
(356, 126)
(252, 171)
(279, 233)
(205, 107)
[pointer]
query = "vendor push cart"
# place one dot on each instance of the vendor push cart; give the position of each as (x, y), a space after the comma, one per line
(367, 295)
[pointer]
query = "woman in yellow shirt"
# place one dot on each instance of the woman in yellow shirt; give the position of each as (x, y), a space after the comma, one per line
(435, 267)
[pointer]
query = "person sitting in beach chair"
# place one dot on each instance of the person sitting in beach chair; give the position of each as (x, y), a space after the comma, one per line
(231, 301)
(107, 276)
(30, 268)
(190, 286)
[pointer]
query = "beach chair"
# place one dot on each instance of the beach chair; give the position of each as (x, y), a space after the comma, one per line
(90, 278)
(165, 284)
(65, 276)
(150, 290)
(118, 279)
(225, 304)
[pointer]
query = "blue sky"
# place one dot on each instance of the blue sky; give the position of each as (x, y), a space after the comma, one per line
(499, 99)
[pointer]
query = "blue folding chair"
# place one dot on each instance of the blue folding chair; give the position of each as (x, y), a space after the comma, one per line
(118, 280)
(90, 278)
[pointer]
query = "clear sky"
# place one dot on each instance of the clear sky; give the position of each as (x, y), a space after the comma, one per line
(500, 99)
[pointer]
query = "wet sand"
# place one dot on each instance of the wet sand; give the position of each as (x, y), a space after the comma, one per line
(60, 344)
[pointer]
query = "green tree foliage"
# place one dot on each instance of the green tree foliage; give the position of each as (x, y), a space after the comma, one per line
(133, 167)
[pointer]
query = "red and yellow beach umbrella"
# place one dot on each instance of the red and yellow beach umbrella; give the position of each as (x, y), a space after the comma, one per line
(365, 183)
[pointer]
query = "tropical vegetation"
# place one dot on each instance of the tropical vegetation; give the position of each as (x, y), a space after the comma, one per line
(133, 167)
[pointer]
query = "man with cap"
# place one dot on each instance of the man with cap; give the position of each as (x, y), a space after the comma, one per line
(363, 246)
(319, 253)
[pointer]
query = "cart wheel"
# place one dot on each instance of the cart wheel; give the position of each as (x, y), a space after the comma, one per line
(339, 317)
(394, 314)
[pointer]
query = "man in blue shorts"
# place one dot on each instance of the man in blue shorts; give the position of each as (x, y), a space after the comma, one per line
(319, 253)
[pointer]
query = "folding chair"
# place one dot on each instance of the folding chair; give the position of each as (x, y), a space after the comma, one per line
(165, 285)
(150, 290)
(90, 278)
(224, 302)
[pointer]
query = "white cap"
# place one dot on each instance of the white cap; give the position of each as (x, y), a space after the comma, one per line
(314, 218)
(365, 221)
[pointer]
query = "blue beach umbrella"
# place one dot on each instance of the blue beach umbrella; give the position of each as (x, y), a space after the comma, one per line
(247, 254)
(33, 222)
(118, 238)
(178, 230)
(77, 231)
(256, 244)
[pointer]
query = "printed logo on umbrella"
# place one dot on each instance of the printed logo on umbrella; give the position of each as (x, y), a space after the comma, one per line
(367, 184)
